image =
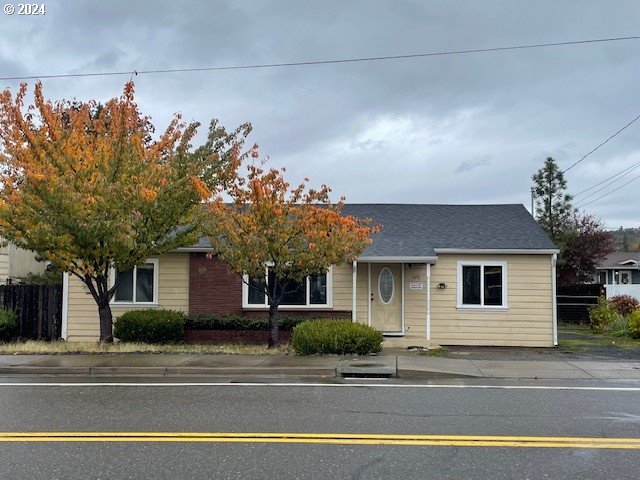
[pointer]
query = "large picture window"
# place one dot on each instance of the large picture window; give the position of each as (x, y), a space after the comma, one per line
(482, 285)
(137, 285)
(312, 292)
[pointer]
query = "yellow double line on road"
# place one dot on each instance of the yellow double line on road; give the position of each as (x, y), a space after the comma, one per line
(328, 438)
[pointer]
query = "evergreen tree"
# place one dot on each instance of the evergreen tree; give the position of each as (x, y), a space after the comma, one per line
(553, 206)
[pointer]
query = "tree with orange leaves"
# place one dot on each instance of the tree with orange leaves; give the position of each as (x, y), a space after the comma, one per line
(87, 187)
(276, 237)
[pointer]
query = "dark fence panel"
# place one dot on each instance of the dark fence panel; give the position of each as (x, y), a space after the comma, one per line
(573, 301)
(39, 309)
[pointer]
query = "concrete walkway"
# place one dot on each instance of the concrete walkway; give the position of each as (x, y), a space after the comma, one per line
(402, 366)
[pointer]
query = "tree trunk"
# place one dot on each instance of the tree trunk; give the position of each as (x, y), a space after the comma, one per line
(106, 323)
(273, 326)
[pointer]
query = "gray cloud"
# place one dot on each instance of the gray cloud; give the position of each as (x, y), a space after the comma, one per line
(389, 131)
(469, 165)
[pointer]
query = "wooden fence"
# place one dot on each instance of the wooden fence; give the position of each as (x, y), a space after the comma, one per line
(39, 309)
(573, 301)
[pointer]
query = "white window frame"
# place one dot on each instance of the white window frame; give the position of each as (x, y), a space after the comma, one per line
(134, 303)
(308, 306)
(482, 264)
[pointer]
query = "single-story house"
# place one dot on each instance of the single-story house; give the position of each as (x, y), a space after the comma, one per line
(619, 272)
(16, 263)
(435, 275)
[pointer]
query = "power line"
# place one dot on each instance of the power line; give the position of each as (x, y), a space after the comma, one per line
(609, 192)
(596, 148)
(621, 174)
(323, 62)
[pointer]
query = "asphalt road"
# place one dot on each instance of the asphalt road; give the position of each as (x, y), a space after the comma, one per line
(252, 409)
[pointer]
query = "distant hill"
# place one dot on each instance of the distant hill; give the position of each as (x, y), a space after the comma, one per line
(626, 239)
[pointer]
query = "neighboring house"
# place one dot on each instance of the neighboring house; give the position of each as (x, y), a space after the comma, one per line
(619, 272)
(16, 264)
(435, 275)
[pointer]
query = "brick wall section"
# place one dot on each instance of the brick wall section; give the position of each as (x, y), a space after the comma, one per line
(215, 289)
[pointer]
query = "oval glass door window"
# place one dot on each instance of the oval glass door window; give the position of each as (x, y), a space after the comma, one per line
(385, 285)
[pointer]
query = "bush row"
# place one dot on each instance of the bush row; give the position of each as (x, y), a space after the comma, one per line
(237, 322)
(619, 316)
(309, 336)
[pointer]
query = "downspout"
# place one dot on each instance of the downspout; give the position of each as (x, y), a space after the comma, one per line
(428, 329)
(369, 293)
(354, 286)
(65, 306)
(554, 261)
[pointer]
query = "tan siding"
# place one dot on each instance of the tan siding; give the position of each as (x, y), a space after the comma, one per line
(23, 262)
(528, 320)
(173, 294)
(342, 286)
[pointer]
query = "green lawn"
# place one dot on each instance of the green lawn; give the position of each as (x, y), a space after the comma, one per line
(33, 347)
(580, 338)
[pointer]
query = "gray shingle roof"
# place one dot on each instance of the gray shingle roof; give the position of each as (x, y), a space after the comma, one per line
(416, 230)
(613, 260)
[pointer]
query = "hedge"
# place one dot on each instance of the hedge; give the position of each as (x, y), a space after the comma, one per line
(340, 337)
(150, 326)
(238, 322)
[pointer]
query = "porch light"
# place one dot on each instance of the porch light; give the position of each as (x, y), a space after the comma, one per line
(442, 285)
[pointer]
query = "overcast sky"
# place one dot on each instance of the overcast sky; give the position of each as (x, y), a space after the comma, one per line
(457, 129)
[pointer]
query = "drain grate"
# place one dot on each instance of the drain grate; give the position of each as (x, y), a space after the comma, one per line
(351, 369)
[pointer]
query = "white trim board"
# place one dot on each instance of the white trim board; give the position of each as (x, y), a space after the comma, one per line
(64, 333)
(497, 251)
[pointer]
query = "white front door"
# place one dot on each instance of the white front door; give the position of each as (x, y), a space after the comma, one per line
(386, 297)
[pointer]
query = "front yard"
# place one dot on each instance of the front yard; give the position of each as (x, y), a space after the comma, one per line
(60, 347)
(580, 339)
(574, 342)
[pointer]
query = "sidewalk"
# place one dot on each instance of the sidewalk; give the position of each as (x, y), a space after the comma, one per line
(402, 366)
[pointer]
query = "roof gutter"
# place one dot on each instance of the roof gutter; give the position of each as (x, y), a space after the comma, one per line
(193, 249)
(416, 259)
(503, 251)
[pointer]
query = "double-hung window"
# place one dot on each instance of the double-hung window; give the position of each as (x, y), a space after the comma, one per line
(482, 285)
(313, 291)
(138, 285)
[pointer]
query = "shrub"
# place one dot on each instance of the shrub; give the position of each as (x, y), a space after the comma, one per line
(619, 327)
(634, 323)
(624, 304)
(8, 325)
(601, 316)
(340, 337)
(236, 322)
(150, 326)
